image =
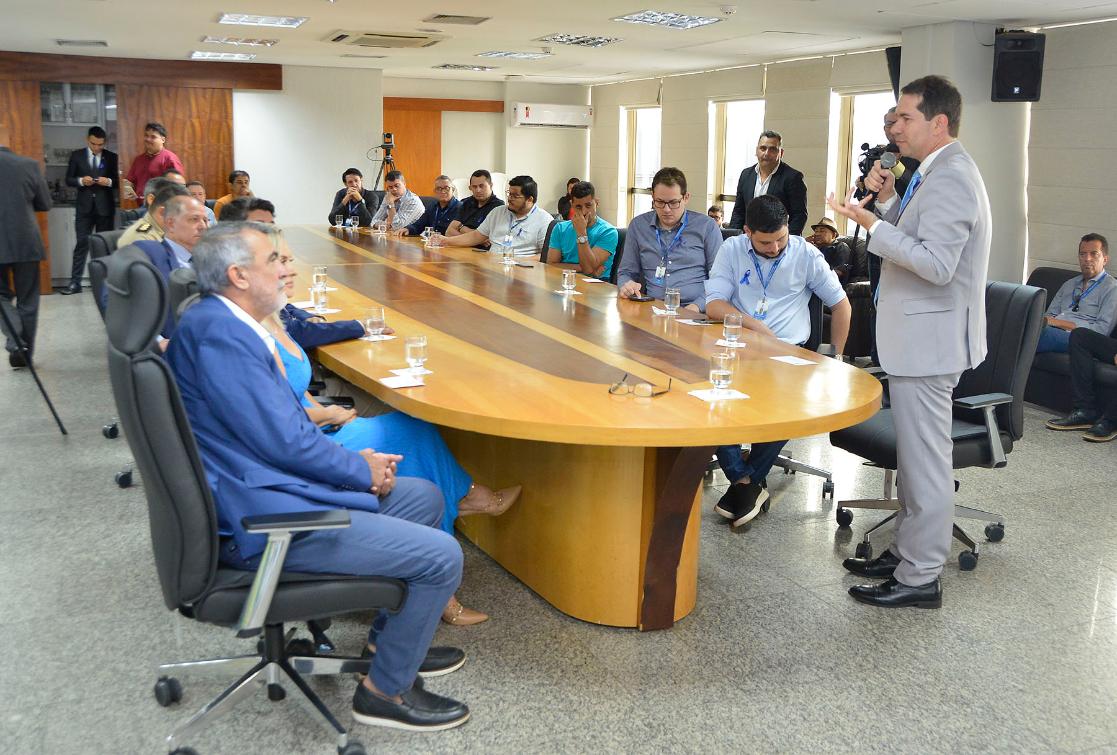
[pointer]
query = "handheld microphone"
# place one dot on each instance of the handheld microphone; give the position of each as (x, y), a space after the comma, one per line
(889, 161)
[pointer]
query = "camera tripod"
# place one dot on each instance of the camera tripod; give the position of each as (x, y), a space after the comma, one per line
(381, 172)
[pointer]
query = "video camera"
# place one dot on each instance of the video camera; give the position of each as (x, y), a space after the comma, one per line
(869, 156)
(389, 142)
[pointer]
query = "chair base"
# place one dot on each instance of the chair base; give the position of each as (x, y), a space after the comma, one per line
(789, 465)
(274, 669)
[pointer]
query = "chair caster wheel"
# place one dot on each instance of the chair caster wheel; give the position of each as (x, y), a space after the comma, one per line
(123, 479)
(828, 489)
(301, 646)
(353, 748)
(995, 532)
(168, 691)
(844, 517)
(276, 693)
(864, 550)
(111, 431)
(967, 560)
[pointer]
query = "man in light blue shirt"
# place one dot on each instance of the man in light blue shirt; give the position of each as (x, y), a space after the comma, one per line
(585, 240)
(197, 190)
(1087, 302)
(400, 207)
(768, 276)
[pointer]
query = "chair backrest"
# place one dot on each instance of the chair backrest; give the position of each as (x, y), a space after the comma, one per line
(859, 257)
(428, 202)
(461, 187)
(183, 285)
(547, 239)
(621, 233)
(814, 306)
(1050, 279)
(728, 233)
(1014, 319)
(181, 512)
(211, 203)
(101, 245)
(125, 218)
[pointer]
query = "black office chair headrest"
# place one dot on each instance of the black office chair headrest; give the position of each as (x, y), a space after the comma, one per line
(137, 301)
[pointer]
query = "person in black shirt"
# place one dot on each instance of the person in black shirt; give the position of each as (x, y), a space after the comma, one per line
(354, 200)
(837, 253)
(474, 209)
(564, 202)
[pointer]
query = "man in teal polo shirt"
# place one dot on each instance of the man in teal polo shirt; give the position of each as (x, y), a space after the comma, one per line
(585, 240)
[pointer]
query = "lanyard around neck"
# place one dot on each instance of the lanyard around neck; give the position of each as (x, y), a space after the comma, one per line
(760, 274)
(674, 242)
(1075, 301)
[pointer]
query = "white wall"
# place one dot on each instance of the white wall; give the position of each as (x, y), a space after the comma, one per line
(471, 141)
(606, 148)
(296, 143)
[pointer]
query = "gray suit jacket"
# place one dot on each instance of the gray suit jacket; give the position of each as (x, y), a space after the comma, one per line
(931, 310)
(23, 191)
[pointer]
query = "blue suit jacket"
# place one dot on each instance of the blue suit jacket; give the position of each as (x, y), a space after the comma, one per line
(162, 258)
(310, 335)
(261, 452)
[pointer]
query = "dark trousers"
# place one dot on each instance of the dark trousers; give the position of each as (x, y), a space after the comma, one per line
(20, 281)
(1086, 348)
(85, 224)
(762, 456)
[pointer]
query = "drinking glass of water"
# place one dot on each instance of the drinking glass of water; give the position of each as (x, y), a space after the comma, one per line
(318, 298)
(569, 278)
(731, 328)
(721, 371)
(354, 221)
(435, 241)
(319, 276)
(507, 253)
(338, 220)
(671, 299)
(374, 321)
(426, 234)
(415, 352)
(381, 229)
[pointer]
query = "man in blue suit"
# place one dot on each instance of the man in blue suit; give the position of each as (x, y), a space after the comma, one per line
(184, 221)
(263, 455)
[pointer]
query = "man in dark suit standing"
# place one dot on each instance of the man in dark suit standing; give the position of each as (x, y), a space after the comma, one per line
(91, 170)
(771, 175)
(23, 192)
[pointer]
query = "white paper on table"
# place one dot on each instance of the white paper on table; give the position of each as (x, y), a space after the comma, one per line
(797, 361)
(328, 288)
(731, 344)
(314, 311)
(592, 280)
(409, 371)
(656, 310)
(713, 394)
(567, 293)
(380, 337)
(402, 381)
(302, 304)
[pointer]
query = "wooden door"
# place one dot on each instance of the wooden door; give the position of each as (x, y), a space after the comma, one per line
(19, 110)
(418, 152)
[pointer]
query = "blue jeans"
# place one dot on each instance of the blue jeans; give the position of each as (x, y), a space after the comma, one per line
(761, 458)
(1053, 339)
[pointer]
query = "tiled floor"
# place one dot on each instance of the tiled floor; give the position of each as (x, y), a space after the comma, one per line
(1021, 658)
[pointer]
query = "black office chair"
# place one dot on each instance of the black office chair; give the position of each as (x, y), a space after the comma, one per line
(184, 536)
(728, 233)
(101, 245)
(182, 290)
(988, 413)
(547, 240)
(618, 255)
(428, 202)
(125, 218)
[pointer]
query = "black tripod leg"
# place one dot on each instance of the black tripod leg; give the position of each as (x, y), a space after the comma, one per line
(26, 351)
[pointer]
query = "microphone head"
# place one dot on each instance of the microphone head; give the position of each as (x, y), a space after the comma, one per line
(890, 161)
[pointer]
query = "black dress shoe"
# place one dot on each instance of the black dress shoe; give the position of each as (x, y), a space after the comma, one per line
(876, 568)
(16, 359)
(1103, 431)
(73, 288)
(1076, 420)
(893, 594)
(438, 661)
(419, 710)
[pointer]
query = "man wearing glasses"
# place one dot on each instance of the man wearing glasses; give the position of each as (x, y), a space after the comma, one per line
(669, 247)
(520, 223)
(438, 216)
(1087, 302)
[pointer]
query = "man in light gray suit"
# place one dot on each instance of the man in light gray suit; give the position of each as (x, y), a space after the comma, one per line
(934, 242)
(23, 191)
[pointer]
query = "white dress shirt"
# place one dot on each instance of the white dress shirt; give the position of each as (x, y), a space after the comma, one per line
(257, 328)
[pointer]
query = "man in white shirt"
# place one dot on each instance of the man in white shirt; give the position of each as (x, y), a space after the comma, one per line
(400, 207)
(520, 223)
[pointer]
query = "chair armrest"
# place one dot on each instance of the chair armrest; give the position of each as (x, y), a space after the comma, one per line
(345, 402)
(877, 372)
(983, 400)
(278, 528)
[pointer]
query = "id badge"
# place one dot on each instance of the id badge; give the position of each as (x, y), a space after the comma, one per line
(762, 309)
(660, 272)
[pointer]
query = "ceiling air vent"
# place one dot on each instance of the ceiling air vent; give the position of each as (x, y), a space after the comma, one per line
(449, 18)
(377, 39)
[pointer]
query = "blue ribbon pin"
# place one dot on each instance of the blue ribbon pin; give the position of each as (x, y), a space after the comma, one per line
(745, 277)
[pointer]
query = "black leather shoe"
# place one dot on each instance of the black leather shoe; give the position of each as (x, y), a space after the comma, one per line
(73, 288)
(419, 711)
(1103, 431)
(1076, 420)
(893, 594)
(876, 568)
(438, 661)
(16, 359)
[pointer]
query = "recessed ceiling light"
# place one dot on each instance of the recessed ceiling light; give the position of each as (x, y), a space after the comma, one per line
(242, 41)
(450, 18)
(514, 55)
(358, 55)
(209, 55)
(81, 43)
(581, 40)
(667, 20)
(246, 19)
(461, 67)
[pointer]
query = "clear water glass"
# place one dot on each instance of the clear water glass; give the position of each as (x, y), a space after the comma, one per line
(426, 234)
(671, 300)
(415, 352)
(435, 241)
(731, 328)
(507, 253)
(721, 371)
(374, 321)
(318, 278)
(318, 298)
(381, 229)
(569, 278)
(338, 220)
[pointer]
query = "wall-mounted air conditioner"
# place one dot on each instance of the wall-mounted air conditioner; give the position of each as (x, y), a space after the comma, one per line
(552, 116)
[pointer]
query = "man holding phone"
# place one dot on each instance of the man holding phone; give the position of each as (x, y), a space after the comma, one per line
(669, 247)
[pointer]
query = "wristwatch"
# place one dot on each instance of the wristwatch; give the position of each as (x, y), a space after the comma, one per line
(582, 239)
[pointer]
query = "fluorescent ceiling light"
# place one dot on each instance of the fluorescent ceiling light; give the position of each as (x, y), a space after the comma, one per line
(580, 40)
(514, 55)
(460, 67)
(1079, 23)
(667, 20)
(243, 41)
(246, 19)
(208, 55)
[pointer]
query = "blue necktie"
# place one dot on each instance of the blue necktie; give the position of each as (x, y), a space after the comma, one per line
(910, 192)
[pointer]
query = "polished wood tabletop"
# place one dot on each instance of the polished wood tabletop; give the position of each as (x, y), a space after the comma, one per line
(511, 357)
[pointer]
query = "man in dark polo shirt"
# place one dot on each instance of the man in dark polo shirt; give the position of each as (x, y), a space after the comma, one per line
(474, 209)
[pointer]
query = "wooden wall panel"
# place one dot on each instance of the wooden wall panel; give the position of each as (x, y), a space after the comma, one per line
(427, 103)
(199, 129)
(92, 69)
(19, 111)
(418, 152)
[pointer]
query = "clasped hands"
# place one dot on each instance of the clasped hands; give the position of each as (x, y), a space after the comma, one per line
(382, 468)
(90, 181)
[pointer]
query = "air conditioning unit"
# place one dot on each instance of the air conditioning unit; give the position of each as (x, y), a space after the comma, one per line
(382, 40)
(552, 116)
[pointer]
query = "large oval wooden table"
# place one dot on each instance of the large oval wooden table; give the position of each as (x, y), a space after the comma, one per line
(607, 527)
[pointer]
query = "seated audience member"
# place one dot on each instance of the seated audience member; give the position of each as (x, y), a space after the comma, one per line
(585, 240)
(354, 201)
(197, 190)
(1087, 348)
(1086, 302)
(245, 418)
(670, 246)
(401, 207)
(475, 208)
(175, 177)
(183, 225)
(424, 453)
(717, 214)
(565, 200)
(150, 226)
(520, 223)
(252, 209)
(768, 276)
(440, 215)
(238, 187)
(836, 253)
